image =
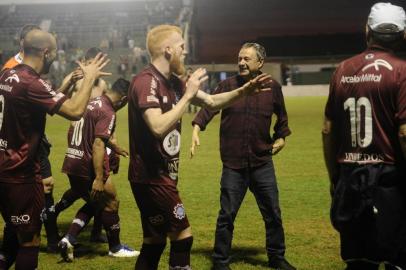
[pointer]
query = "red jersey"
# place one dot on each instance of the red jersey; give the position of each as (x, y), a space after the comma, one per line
(24, 101)
(153, 160)
(367, 103)
(98, 121)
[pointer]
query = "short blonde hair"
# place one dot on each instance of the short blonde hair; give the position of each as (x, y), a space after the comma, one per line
(157, 35)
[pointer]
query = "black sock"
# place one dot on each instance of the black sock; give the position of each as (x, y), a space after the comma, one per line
(27, 258)
(179, 256)
(68, 198)
(111, 223)
(10, 245)
(49, 200)
(97, 225)
(149, 256)
(50, 225)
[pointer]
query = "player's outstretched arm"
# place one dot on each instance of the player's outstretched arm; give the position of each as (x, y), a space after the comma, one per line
(402, 138)
(74, 108)
(220, 101)
(329, 149)
(195, 140)
(161, 123)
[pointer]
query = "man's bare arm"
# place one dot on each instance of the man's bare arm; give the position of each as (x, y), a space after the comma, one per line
(329, 149)
(402, 139)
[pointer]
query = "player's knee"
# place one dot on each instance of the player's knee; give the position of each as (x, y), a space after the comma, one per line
(29, 239)
(182, 246)
(112, 205)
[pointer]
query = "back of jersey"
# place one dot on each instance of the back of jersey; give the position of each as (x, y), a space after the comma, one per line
(367, 103)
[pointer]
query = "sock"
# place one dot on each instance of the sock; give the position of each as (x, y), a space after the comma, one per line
(179, 256)
(10, 245)
(81, 219)
(149, 256)
(27, 258)
(49, 220)
(111, 223)
(68, 198)
(97, 225)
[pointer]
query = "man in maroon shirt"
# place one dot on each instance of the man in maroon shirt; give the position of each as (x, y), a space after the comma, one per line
(246, 149)
(157, 101)
(24, 101)
(364, 139)
(87, 166)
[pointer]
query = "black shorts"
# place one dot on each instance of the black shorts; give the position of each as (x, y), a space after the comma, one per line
(161, 209)
(369, 211)
(21, 206)
(43, 153)
(82, 186)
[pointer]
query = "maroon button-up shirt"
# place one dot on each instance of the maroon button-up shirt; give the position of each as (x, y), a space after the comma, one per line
(245, 139)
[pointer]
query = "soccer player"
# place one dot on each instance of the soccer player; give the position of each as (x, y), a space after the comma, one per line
(24, 101)
(364, 139)
(87, 166)
(69, 196)
(18, 58)
(246, 149)
(157, 101)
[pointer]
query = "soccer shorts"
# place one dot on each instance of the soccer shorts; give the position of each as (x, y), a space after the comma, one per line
(21, 206)
(369, 211)
(161, 209)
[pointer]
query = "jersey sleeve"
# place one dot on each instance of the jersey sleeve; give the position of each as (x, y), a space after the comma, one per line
(329, 109)
(105, 123)
(41, 94)
(146, 90)
(401, 101)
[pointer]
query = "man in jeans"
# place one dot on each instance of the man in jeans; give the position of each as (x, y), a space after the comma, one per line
(246, 151)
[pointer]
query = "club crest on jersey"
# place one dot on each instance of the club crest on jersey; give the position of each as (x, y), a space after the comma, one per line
(179, 211)
(377, 63)
(171, 143)
(12, 78)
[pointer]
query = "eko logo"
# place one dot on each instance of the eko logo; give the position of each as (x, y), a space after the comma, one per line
(377, 63)
(18, 220)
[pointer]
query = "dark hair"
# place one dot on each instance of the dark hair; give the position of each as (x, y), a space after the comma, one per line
(120, 86)
(261, 52)
(388, 40)
(27, 28)
(92, 52)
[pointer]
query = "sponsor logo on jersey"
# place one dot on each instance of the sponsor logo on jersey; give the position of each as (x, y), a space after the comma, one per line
(6, 87)
(173, 167)
(12, 78)
(22, 219)
(179, 211)
(378, 63)
(361, 78)
(369, 56)
(363, 158)
(74, 153)
(156, 220)
(152, 99)
(113, 118)
(171, 143)
(47, 87)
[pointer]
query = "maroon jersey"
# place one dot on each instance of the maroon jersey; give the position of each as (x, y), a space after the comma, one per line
(98, 122)
(153, 160)
(24, 101)
(367, 103)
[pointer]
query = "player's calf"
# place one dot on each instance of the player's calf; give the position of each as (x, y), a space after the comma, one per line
(179, 257)
(149, 256)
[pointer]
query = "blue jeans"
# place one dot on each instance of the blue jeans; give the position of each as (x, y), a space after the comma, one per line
(262, 183)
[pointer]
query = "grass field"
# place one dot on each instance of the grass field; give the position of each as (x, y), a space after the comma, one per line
(312, 244)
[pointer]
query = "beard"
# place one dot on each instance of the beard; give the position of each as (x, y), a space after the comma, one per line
(47, 66)
(177, 66)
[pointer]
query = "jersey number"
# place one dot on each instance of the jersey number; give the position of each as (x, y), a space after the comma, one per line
(1, 110)
(361, 121)
(77, 132)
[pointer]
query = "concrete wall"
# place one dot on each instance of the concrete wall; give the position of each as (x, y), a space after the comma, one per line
(305, 90)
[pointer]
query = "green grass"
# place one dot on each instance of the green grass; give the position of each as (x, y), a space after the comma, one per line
(312, 244)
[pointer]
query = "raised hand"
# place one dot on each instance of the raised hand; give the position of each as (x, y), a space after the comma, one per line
(195, 141)
(95, 66)
(259, 84)
(194, 82)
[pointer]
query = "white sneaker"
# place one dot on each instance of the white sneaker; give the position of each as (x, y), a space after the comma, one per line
(66, 249)
(124, 252)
